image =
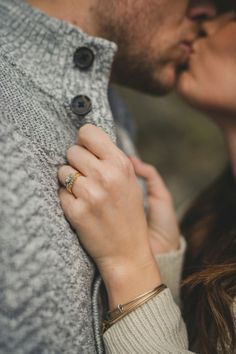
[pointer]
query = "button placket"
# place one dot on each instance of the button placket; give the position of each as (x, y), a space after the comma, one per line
(81, 105)
(83, 58)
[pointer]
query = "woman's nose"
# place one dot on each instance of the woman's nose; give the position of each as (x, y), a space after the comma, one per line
(200, 10)
(210, 27)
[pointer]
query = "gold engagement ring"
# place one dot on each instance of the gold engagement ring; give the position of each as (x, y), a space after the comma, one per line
(70, 180)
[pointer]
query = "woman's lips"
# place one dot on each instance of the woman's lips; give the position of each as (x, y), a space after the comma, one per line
(186, 50)
(187, 47)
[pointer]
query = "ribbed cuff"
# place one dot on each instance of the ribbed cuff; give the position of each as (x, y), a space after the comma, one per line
(170, 266)
(155, 327)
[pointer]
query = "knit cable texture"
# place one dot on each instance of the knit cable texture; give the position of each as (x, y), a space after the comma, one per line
(48, 290)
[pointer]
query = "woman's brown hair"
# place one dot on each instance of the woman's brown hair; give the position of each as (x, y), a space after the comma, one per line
(209, 285)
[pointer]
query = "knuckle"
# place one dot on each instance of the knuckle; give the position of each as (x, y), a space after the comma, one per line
(169, 197)
(71, 152)
(110, 179)
(85, 194)
(97, 174)
(126, 166)
(83, 212)
(99, 198)
(71, 211)
(78, 212)
(93, 199)
(152, 169)
(91, 196)
(115, 174)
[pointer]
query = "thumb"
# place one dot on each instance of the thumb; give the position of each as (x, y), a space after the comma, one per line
(155, 185)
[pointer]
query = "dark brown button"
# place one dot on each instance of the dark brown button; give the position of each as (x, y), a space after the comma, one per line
(83, 58)
(81, 105)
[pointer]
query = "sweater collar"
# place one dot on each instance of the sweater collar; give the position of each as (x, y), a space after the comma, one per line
(44, 47)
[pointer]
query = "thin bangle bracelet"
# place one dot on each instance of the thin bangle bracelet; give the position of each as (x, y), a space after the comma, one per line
(123, 310)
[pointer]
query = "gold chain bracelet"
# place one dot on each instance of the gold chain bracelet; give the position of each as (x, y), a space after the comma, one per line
(123, 310)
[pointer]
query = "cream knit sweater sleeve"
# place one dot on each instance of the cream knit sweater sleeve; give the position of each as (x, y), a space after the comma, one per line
(170, 266)
(157, 326)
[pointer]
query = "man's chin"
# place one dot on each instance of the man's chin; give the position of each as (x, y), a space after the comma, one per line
(160, 86)
(150, 78)
(155, 89)
(163, 81)
(183, 85)
(156, 86)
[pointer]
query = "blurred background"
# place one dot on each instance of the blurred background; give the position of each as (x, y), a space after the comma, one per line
(187, 149)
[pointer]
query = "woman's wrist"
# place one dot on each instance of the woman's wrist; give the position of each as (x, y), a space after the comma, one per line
(159, 247)
(130, 279)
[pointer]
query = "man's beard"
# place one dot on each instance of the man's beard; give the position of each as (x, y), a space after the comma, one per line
(136, 65)
(139, 75)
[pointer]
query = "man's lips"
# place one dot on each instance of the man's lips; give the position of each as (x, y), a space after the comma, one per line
(186, 50)
(187, 47)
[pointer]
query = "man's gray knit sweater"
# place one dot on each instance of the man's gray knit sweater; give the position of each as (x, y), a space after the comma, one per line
(48, 285)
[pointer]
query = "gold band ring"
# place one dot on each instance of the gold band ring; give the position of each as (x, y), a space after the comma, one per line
(70, 180)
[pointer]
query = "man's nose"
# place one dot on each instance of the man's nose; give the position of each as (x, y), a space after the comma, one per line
(200, 10)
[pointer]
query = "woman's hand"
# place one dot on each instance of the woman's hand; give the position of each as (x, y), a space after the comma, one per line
(163, 230)
(106, 207)
(107, 204)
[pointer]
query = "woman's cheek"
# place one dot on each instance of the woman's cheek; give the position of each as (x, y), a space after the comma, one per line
(200, 84)
(221, 87)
